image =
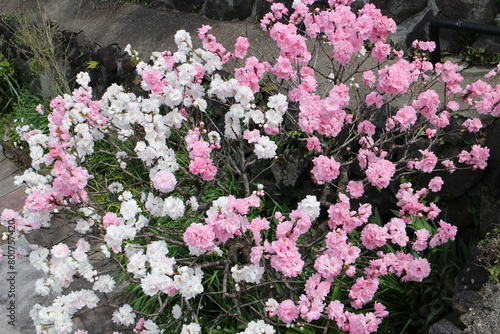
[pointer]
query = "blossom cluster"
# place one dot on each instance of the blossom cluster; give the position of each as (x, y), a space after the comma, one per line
(159, 198)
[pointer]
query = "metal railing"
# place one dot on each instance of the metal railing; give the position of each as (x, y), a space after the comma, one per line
(438, 23)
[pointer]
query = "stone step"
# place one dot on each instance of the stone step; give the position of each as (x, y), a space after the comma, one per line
(61, 230)
(7, 168)
(14, 200)
(7, 184)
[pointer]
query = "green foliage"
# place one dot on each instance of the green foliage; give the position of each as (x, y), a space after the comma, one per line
(490, 254)
(474, 209)
(8, 18)
(144, 2)
(414, 306)
(18, 103)
(494, 273)
(39, 42)
(24, 110)
(23, 115)
(8, 85)
(480, 57)
(93, 64)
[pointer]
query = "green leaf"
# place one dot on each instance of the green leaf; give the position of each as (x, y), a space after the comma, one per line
(336, 294)
(93, 64)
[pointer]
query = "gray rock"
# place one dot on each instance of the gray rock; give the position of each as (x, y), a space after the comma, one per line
(288, 169)
(262, 7)
(108, 62)
(444, 326)
(456, 184)
(484, 318)
(416, 28)
(463, 301)
(493, 140)
(228, 10)
(491, 44)
(457, 212)
(478, 11)
(85, 45)
(189, 6)
(97, 320)
(399, 10)
(491, 180)
(489, 216)
(473, 276)
(169, 4)
(358, 4)
(17, 292)
(455, 136)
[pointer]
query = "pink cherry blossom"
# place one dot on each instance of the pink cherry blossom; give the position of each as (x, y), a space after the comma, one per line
(374, 236)
(477, 157)
(251, 136)
(428, 162)
(241, 47)
(369, 79)
(424, 46)
(287, 258)
(40, 202)
(436, 183)
(362, 291)
(199, 235)
(397, 230)
(317, 289)
(416, 270)
(111, 218)
(374, 98)
(329, 267)
(256, 226)
(164, 181)
(313, 143)
(406, 117)
(310, 309)
(472, 124)
(421, 242)
(444, 233)
(396, 78)
(355, 189)
(287, 311)
(453, 105)
(380, 172)
(283, 69)
(381, 51)
(450, 165)
(366, 127)
(325, 169)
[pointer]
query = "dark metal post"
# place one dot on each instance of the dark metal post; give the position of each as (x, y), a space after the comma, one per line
(439, 23)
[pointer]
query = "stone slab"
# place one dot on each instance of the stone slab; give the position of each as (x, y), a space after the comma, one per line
(60, 230)
(13, 200)
(7, 185)
(20, 295)
(146, 29)
(7, 168)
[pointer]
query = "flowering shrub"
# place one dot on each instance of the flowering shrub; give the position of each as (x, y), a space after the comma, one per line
(165, 183)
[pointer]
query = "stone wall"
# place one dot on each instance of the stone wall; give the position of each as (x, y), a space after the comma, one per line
(113, 65)
(412, 17)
